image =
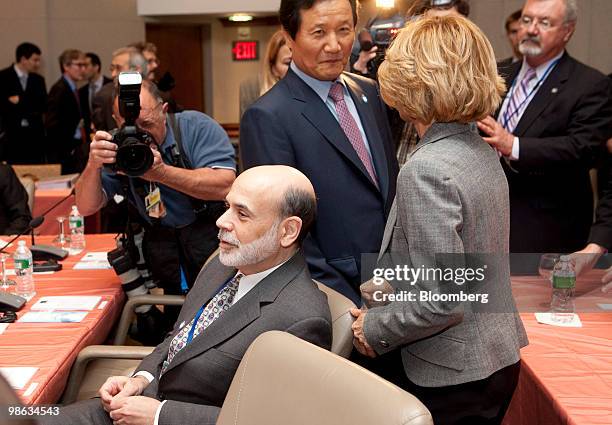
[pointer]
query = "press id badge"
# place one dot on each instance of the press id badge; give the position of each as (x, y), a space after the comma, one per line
(154, 205)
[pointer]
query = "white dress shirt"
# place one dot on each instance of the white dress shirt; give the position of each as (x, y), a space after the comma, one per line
(542, 73)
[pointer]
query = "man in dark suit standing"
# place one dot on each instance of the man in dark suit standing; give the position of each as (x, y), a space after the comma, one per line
(331, 125)
(23, 101)
(550, 130)
(95, 78)
(65, 124)
(258, 283)
(513, 27)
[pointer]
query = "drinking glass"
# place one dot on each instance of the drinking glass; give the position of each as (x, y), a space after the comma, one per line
(6, 282)
(61, 238)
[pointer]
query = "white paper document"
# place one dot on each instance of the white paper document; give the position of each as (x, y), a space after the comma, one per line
(3, 327)
(93, 261)
(18, 377)
(68, 302)
(605, 307)
(546, 319)
(53, 317)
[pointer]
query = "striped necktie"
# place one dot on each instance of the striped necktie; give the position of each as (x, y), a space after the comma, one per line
(518, 101)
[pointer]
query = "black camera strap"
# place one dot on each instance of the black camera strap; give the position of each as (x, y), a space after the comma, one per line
(211, 209)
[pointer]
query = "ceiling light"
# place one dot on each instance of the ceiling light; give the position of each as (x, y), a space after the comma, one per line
(240, 17)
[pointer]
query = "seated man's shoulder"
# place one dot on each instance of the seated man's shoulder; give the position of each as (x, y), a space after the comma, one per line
(304, 300)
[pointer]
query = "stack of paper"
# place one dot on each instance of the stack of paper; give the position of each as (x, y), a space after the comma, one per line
(57, 182)
(93, 261)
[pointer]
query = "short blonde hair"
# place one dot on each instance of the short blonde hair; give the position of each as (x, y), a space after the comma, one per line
(441, 69)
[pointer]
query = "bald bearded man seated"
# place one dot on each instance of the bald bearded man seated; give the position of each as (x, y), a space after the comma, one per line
(259, 283)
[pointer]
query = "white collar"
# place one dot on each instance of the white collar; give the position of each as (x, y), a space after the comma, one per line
(248, 282)
(19, 72)
(541, 69)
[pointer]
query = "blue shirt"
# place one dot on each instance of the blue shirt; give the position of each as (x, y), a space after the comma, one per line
(205, 144)
(322, 88)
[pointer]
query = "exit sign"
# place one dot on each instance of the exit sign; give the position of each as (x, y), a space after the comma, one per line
(245, 50)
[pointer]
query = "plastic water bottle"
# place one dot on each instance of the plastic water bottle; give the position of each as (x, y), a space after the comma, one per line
(563, 282)
(23, 270)
(77, 231)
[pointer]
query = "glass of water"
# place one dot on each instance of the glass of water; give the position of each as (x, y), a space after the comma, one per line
(6, 282)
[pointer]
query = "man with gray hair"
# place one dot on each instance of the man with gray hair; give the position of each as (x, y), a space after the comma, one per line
(550, 131)
(124, 59)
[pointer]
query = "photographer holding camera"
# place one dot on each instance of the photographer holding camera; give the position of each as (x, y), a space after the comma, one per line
(174, 169)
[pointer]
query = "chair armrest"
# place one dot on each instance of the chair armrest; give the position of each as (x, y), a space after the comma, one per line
(132, 303)
(94, 352)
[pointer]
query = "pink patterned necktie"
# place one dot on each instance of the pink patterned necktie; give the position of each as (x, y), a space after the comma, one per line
(218, 305)
(518, 101)
(350, 128)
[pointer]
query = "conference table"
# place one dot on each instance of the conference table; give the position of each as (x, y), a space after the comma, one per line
(53, 347)
(566, 373)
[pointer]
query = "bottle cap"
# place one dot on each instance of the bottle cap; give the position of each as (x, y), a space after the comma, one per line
(21, 243)
(564, 258)
(74, 208)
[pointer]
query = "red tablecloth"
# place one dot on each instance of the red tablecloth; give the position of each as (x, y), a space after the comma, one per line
(566, 374)
(52, 347)
(45, 199)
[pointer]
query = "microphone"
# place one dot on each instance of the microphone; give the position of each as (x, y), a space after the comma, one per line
(33, 224)
(42, 252)
(47, 252)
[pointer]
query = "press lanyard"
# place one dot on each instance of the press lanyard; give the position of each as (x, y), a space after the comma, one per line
(201, 310)
(520, 106)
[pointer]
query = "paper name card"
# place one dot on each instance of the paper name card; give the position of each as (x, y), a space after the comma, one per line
(18, 377)
(93, 261)
(67, 302)
(53, 317)
(546, 318)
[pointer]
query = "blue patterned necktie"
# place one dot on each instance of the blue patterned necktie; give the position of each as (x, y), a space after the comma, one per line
(219, 304)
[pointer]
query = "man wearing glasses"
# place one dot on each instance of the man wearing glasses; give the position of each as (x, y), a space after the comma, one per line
(177, 199)
(64, 121)
(550, 131)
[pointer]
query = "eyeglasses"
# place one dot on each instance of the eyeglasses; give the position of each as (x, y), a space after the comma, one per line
(79, 64)
(543, 24)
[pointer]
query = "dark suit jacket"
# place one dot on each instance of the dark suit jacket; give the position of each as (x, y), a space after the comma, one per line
(23, 144)
(102, 109)
(198, 378)
(63, 116)
(84, 96)
(561, 135)
(290, 125)
(15, 214)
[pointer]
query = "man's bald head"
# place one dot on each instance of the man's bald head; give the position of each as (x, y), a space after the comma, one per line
(285, 187)
(270, 211)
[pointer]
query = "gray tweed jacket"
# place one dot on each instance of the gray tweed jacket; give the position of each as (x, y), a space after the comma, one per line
(452, 198)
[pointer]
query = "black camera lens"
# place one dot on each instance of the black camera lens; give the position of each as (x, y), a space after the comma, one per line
(134, 158)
